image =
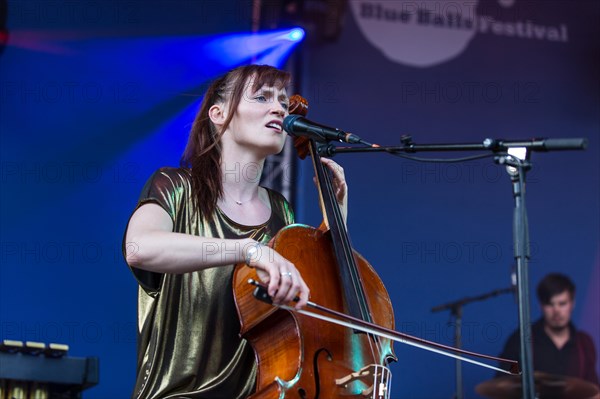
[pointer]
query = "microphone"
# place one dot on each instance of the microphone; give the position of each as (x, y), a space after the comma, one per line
(297, 125)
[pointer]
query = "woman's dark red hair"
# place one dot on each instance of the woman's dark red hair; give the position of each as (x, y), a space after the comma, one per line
(202, 153)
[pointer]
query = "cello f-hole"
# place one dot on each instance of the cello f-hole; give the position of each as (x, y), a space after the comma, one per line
(316, 368)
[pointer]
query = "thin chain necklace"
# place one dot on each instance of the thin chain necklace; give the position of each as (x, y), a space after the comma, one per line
(236, 201)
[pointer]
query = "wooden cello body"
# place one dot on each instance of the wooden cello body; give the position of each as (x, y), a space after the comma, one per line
(302, 357)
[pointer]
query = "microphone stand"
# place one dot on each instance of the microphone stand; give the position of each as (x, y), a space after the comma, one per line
(517, 171)
(456, 312)
(499, 147)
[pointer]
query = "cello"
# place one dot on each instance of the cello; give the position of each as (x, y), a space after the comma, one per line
(302, 355)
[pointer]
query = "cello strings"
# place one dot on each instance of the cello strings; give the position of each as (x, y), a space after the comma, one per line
(375, 346)
(323, 177)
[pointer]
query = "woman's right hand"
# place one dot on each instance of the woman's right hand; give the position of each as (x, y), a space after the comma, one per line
(281, 276)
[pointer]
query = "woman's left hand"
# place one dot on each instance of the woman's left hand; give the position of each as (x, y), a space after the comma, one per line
(340, 188)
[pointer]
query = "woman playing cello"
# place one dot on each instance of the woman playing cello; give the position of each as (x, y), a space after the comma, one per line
(193, 223)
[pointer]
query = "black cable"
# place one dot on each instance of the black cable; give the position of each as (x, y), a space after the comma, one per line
(443, 160)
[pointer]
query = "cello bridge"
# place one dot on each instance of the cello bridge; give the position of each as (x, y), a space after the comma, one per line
(372, 381)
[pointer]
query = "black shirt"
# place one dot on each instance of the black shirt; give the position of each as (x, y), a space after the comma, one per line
(577, 358)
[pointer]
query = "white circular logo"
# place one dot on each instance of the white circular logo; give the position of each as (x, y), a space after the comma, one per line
(426, 33)
(414, 33)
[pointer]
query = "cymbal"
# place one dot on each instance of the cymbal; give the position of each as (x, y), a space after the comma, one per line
(547, 386)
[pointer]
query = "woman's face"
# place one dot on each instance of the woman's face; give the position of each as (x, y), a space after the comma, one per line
(258, 120)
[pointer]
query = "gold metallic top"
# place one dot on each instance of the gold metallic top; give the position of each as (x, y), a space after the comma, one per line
(188, 329)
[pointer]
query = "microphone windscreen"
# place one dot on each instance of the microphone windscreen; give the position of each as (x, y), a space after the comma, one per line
(288, 123)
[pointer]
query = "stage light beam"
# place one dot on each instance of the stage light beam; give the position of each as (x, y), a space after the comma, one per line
(296, 34)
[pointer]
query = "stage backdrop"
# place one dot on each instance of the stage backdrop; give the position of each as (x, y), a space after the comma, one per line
(456, 72)
(95, 95)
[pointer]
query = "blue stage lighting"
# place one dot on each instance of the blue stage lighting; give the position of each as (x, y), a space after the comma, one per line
(296, 34)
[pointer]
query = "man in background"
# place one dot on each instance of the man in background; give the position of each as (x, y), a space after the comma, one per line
(558, 347)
